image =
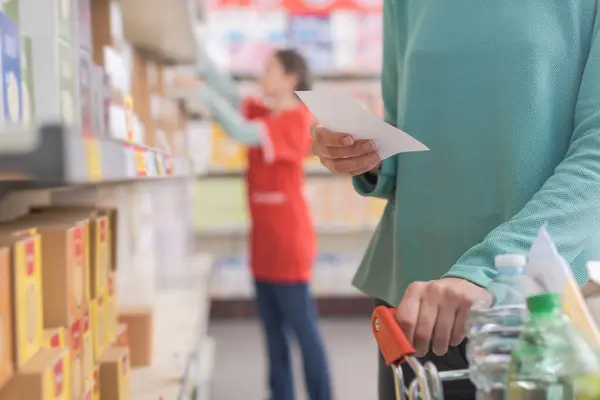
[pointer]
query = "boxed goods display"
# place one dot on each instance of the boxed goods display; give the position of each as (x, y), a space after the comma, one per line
(6, 330)
(114, 374)
(26, 282)
(110, 320)
(139, 321)
(11, 71)
(96, 384)
(41, 378)
(75, 344)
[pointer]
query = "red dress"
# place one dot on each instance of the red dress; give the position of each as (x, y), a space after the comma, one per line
(283, 243)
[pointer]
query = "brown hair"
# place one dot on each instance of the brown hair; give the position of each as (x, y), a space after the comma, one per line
(294, 63)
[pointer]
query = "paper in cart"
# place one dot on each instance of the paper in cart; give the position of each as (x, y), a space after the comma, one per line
(549, 269)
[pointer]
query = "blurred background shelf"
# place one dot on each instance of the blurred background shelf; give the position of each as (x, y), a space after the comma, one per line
(54, 156)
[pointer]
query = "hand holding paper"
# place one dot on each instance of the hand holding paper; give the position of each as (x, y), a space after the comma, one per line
(339, 112)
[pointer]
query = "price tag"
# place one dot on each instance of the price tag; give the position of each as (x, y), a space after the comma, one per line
(93, 158)
(129, 161)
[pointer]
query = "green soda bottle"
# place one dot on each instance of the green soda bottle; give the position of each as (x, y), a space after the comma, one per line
(552, 360)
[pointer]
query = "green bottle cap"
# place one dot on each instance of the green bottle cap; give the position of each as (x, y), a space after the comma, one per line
(544, 303)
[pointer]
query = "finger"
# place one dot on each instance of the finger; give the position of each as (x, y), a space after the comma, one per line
(325, 137)
(442, 331)
(458, 328)
(407, 313)
(428, 314)
(366, 161)
(358, 148)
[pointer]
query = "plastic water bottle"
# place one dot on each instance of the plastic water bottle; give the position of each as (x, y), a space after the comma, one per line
(552, 359)
(493, 330)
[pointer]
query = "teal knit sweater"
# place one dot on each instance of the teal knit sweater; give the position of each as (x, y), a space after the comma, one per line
(506, 94)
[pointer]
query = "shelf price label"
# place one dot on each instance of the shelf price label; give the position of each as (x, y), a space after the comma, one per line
(93, 159)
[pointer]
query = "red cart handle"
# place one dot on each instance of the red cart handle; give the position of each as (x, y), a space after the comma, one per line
(391, 340)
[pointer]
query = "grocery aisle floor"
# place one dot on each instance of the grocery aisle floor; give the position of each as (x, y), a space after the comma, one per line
(240, 366)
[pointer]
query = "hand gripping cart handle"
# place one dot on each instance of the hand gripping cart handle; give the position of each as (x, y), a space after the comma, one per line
(396, 349)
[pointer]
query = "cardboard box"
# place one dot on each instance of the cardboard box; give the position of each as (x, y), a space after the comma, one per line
(122, 336)
(6, 330)
(82, 255)
(110, 320)
(102, 238)
(42, 378)
(88, 350)
(26, 282)
(10, 51)
(114, 374)
(27, 83)
(96, 391)
(63, 250)
(98, 325)
(75, 342)
(140, 332)
(54, 338)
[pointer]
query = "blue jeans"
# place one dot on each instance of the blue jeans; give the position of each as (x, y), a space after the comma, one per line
(290, 307)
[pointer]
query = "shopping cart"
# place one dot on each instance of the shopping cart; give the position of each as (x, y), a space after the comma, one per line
(396, 349)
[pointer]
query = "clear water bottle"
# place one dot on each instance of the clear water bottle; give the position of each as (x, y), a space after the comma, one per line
(493, 330)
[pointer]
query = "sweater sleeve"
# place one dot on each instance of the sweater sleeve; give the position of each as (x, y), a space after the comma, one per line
(383, 185)
(219, 81)
(569, 201)
(233, 123)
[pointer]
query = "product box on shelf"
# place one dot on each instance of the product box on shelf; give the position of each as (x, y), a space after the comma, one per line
(115, 374)
(140, 332)
(98, 325)
(27, 292)
(100, 101)
(87, 349)
(226, 155)
(85, 93)
(27, 84)
(122, 336)
(6, 330)
(12, 9)
(55, 338)
(110, 320)
(101, 241)
(44, 377)
(10, 51)
(63, 252)
(96, 383)
(84, 24)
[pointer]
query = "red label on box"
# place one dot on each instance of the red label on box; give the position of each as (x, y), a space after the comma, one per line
(55, 341)
(86, 321)
(58, 378)
(30, 256)
(102, 230)
(78, 241)
(76, 335)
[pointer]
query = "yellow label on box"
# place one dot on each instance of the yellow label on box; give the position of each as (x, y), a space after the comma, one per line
(88, 351)
(98, 325)
(28, 296)
(103, 256)
(140, 161)
(88, 261)
(57, 378)
(226, 153)
(94, 159)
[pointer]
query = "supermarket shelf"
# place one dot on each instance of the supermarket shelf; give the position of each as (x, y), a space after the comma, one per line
(323, 77)
(311, 171)
(54, 156)
(164, 30)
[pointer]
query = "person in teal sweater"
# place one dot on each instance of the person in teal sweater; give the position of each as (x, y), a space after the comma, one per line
(506, 94)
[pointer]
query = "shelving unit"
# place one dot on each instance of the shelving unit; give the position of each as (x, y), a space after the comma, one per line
(54, 156)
